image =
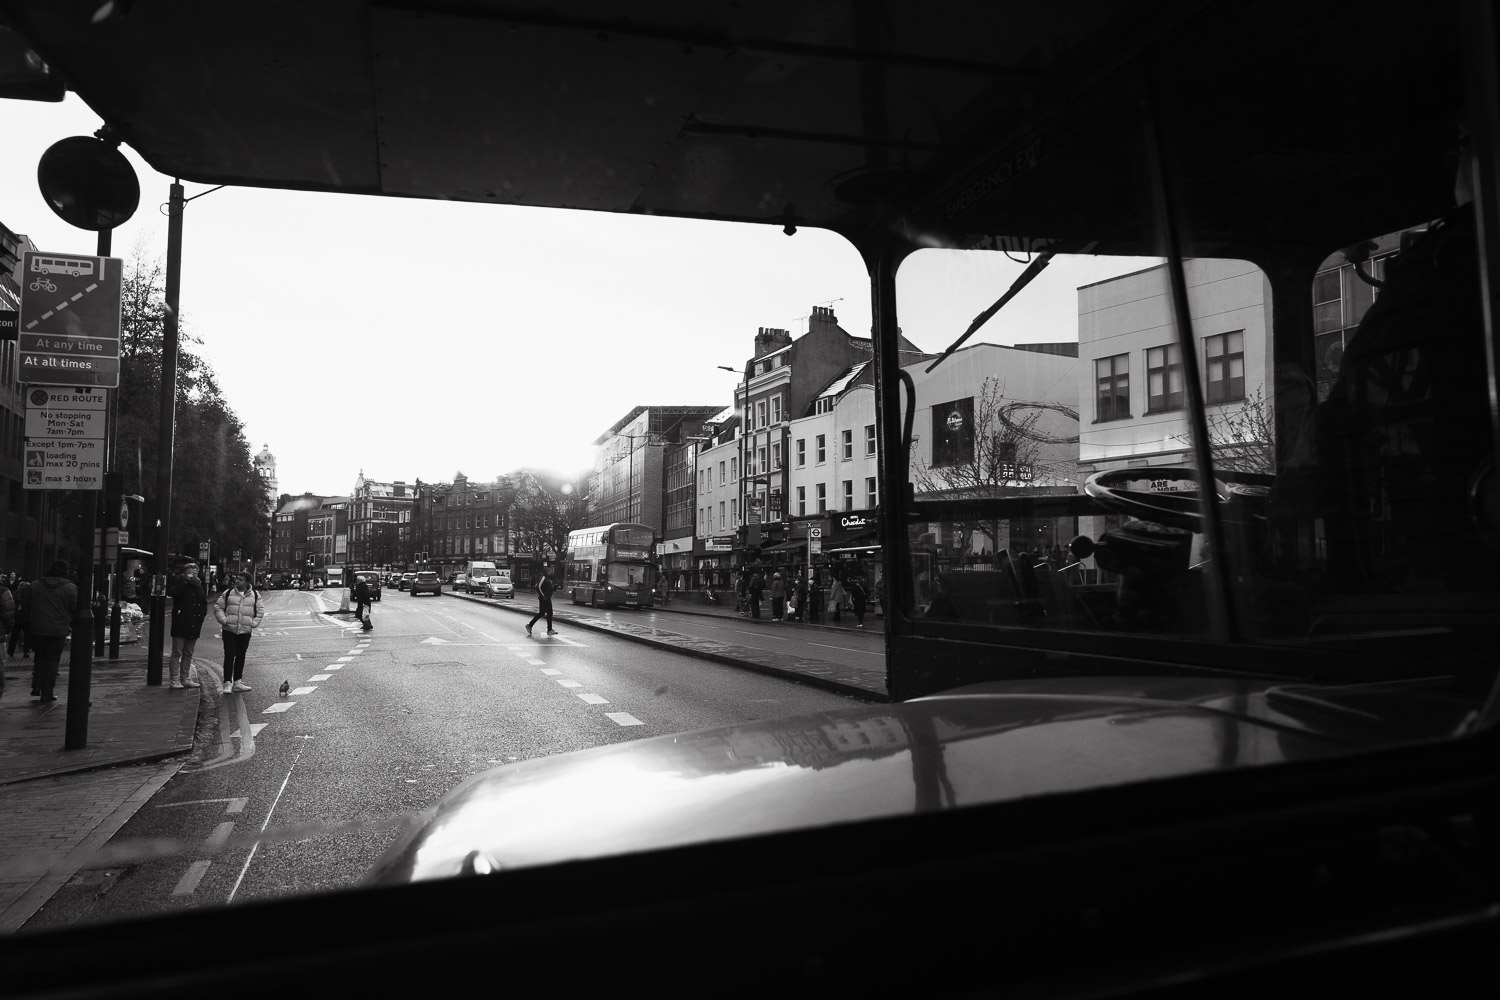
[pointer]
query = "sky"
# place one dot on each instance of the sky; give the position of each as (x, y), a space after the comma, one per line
(407, 339)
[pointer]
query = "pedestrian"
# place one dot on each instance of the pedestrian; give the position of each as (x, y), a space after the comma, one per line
(54, 602)
(362, 600)
(238, 613)
(778, 597)
(189, 608)
(837, 596)
(799, 596)
(18, 631)
(138, 587)
(757, 587)
(742, 594)
(814, 601)
(8, 622)
(856, 591)
(543, 604)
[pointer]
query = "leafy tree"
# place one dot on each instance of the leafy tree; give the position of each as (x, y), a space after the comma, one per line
(216, 492)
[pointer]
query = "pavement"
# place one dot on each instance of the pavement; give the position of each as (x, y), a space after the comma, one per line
(59, 807)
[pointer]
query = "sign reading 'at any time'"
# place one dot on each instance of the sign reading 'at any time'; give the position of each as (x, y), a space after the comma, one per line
(69, 326)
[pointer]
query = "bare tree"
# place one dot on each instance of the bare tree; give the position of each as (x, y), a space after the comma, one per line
(1005, 452)
(1242, 438)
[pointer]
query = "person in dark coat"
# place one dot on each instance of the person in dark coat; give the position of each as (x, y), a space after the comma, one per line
(54, 602)
(856, 591)
(757, 587)
(18, 633)
(814, 601)
(362, 599)
(189, 608)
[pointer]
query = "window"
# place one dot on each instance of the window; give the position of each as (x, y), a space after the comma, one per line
(721, 515)
(870, 494)
(760, 413)
(1224, 357)
(734, 468)
(1112, 388)
(721, 473)
(953, 433)
(869, 439)
(734, 512)
(848, 494)
(775, 409)
(776, 455)
(1164, 379)
(821, 450)
(801, 500)
(801, 452)
(760, 459)
(821, 495)
(848, 444)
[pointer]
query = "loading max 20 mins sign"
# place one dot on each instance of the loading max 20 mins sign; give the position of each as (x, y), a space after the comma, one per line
(69, 327)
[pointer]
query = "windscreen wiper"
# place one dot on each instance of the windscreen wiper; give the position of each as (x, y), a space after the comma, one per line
(1036, 267)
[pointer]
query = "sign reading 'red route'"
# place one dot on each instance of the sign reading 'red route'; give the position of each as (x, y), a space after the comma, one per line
(69, 326)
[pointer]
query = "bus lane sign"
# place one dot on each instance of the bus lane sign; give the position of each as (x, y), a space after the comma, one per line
(69, 323)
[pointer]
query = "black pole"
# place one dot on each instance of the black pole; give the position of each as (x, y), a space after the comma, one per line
(167, 418)
(80, 658)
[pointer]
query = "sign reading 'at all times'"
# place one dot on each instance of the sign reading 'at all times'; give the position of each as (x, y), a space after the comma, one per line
(69, 325)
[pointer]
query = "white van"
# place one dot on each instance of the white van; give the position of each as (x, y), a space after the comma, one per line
(477, 574)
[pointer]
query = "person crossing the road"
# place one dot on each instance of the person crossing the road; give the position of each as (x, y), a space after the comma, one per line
(543, 604)
(362, 598)
(238, 612)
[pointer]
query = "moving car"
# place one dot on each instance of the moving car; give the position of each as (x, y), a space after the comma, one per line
(425, 582)
(460, 581)
(406, 579)
(498, 584)
(370, 577)
(477, 573)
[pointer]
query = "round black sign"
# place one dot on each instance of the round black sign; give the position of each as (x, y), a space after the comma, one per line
(88, 183)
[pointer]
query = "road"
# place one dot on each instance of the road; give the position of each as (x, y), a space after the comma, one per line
(302, 793)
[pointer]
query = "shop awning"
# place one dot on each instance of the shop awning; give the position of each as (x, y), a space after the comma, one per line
(788, 546)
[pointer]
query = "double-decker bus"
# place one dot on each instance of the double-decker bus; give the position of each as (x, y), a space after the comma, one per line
(611, 565)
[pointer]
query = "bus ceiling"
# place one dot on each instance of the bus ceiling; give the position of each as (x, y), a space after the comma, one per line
(902, 122)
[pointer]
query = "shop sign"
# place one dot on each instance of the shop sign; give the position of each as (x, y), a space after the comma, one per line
(857, 522)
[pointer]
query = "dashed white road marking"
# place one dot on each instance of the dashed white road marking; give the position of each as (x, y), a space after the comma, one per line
(255, 728)
(355, 652)
(220, 836)
(623, 719)
(304, 690)
(345, 659)
(570, 683)
(334, 666)
(280, 706)
(320, 677)
(594, 699)
(188, 884)
(549, 672)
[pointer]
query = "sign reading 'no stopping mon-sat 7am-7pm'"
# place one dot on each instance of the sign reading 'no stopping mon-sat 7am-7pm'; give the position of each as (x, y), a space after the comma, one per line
(64, 444)
(69, 327)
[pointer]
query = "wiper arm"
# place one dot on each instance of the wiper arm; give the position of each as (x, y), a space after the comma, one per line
(1033, 269)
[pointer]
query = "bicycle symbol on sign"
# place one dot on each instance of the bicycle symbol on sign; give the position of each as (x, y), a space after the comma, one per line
(43, 284)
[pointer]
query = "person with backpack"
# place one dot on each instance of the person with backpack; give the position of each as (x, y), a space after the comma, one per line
(189, 608)
(238, 613)
(543, 604)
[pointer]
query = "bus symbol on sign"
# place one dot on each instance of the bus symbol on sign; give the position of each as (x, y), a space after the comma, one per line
(76, 266)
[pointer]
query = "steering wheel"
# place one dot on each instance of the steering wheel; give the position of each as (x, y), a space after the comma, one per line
(1170, 494)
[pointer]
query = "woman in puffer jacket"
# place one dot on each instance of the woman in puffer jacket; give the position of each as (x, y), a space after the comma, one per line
(238, 612)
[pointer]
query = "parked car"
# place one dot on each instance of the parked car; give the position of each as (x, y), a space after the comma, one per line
(499, 585)
(370, 577)
(460, 581)
(425, 582)
(406, 579)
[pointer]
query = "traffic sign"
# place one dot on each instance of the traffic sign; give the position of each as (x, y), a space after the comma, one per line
(69, 326)
(64, 445)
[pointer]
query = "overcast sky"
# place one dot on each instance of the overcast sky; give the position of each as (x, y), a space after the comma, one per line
(414, 339)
